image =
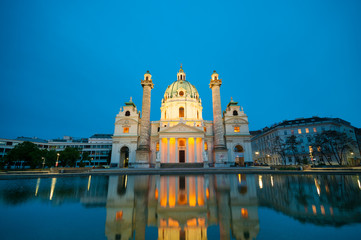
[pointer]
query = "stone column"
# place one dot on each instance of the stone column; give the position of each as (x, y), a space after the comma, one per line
(159, 154)
(143, 151)
(176, 151)
(187, 149)
(219, 141)
(160, 149)
(202, 150)
(195, 149)
(168, 149)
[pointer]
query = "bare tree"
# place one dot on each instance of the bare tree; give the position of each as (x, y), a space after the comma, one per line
(279, 146)
(292, 144)
(334, 144)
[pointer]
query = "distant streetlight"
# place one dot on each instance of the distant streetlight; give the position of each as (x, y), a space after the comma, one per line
(43, 161)
(57, 159)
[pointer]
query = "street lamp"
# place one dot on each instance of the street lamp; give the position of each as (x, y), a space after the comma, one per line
(57, 159)
(257, 154)
(43, 161)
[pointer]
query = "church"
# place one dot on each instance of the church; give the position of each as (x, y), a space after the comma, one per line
(181, 138)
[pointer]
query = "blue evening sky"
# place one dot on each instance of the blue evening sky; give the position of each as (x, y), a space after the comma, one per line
(66, 67)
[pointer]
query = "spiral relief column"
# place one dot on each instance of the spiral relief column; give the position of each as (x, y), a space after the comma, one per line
(143, 151)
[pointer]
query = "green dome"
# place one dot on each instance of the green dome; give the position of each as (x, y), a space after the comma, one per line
(172, 90)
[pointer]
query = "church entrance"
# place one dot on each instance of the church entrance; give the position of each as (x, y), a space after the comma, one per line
(124, 157)
(182, 156)
(239, 155)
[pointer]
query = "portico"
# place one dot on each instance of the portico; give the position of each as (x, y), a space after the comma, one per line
(181, 144)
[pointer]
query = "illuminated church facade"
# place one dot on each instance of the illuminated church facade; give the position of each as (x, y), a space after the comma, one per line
(181, 137)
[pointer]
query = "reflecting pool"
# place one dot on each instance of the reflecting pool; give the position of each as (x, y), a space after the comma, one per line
(228, 206)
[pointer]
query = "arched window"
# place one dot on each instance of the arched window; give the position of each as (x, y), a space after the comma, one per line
(215, 77)
(157, 147)
(235, 113)
(146, 78)
(165, 115)
(180, 77)
(238, 148)
(181, 112)
(197, 115)
(127, 113)
(181, 93)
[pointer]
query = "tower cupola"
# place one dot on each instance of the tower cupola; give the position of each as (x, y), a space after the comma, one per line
(181, 75)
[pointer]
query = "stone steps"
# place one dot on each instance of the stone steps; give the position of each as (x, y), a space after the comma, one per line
(181, 165)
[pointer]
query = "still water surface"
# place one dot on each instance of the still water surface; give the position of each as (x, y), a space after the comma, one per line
(182, 207)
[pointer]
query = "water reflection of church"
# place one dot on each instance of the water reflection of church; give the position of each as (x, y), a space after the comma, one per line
(182, 207)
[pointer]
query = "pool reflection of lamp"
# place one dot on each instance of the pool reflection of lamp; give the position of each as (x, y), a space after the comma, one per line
(260, 183)
(37, 187)
(89, 181)
(359, 184)
(52, 188)
(57, 159)
(317, 187)
(272, 180)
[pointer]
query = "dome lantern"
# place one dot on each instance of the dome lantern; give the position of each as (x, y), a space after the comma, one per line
(181, 75)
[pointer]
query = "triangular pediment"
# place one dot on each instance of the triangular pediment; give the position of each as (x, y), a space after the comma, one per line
(125, 121)
(236, 120)
(181, 128)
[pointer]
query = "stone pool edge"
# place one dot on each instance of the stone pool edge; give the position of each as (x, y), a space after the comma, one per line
(173, 171)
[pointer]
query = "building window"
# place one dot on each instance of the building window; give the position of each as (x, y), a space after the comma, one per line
(127, 113)
(235, 113)
(205, 146)
(299, 131)
(181, 93)
(157, 147)
(165, 115)
(307, 131)
(205, 129)
(197, 115)
(125, 130)
(236, 129)
(314, 129)
(181, 112)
